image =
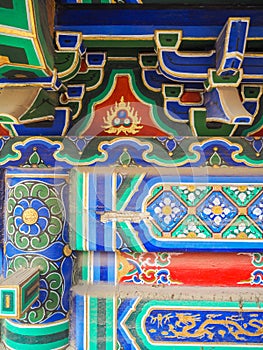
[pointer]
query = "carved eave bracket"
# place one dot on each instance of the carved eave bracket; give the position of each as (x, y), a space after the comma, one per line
(223, 71)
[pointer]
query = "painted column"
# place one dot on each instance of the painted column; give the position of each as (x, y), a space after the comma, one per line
(36, 235)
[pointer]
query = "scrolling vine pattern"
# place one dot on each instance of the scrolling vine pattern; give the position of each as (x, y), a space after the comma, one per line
(35, 215)
(37, 236)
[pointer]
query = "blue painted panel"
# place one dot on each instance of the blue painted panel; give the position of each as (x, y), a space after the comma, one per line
(143, 21)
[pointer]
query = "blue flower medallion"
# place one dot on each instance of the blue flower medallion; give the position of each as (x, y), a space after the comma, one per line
(166, 210)
(31, 216)
(216, 211)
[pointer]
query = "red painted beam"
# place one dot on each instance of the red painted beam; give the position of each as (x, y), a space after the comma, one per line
(189, 269)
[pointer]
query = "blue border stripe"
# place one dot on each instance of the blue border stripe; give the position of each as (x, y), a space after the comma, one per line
(100, 207)
(153, 244)
(78, 326)
(96, 267)
(205, 179)
(189, 31)
(111, 267)
(104, 266)
(108, 226)
(140, 21)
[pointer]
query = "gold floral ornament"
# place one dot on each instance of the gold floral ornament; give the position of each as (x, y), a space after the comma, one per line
(30, 216)
(122, 118)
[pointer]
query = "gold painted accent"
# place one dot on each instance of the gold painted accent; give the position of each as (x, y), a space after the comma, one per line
(187, 323)
(167, 210)
(191, 235)
(17, 32)
(122, 59)
(117, 38)
(67, 250)
(30, 216)
(222, 333)
(123, 266)
(149, 87)
(4, 60)
(191, 210)
(133, 120)
(249, 280)
(242, 235)
(40, 53)
(242, 210)
(19, 75)
(7, 301)
(166, 235)
(242, 188)
(191, 188)
(217, 210)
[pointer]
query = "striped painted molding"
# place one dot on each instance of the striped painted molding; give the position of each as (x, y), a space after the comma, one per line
(94, 323)
(96, 267)
(49, 336)
(91, 196)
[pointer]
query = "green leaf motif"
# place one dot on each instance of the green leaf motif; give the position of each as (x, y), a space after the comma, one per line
(215, 159)
(125, 158)
(34, 158)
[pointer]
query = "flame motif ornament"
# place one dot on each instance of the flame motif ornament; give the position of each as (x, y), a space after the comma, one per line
(122, 118)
